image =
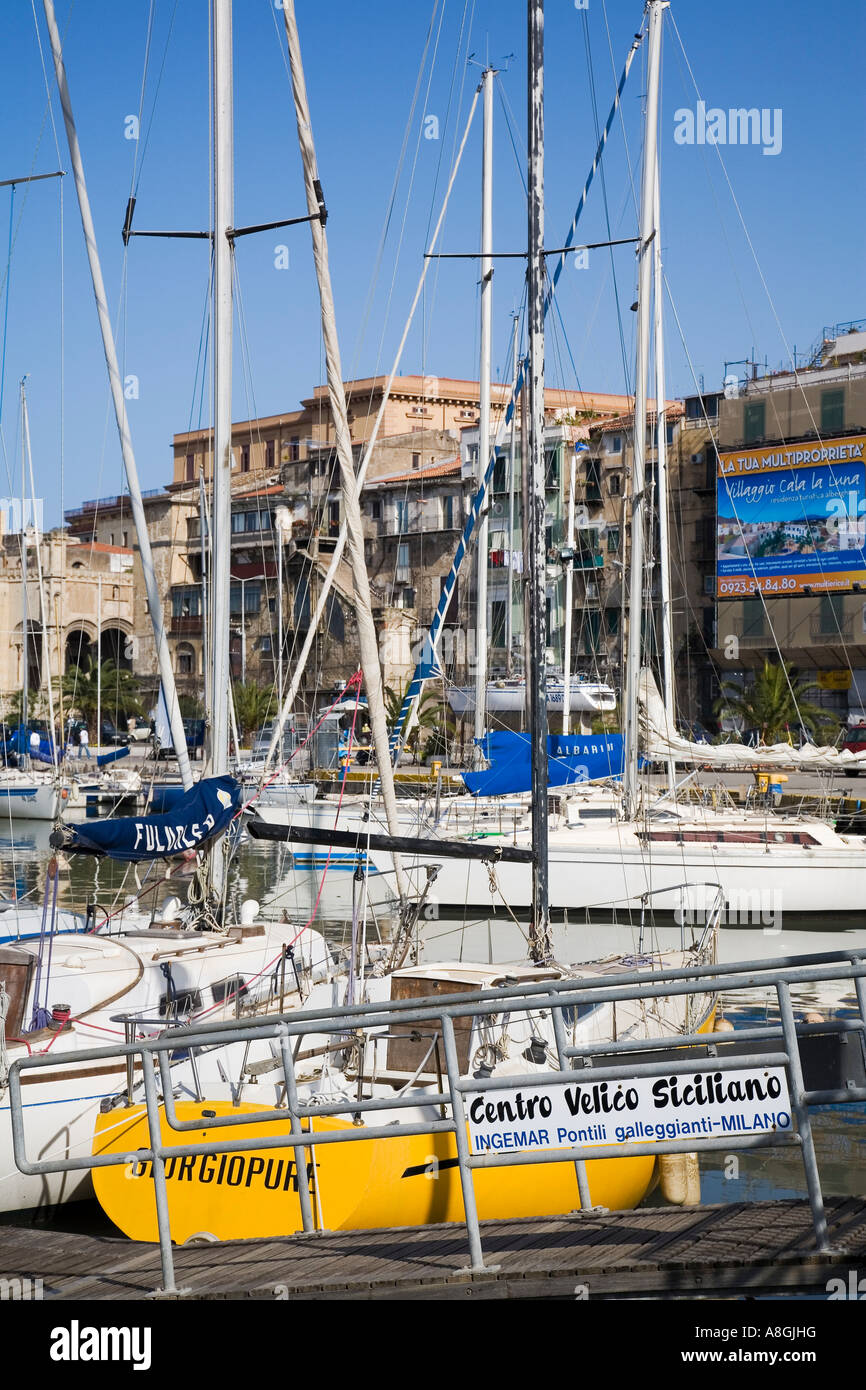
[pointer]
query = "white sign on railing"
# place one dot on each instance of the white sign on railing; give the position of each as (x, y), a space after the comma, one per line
(642, 1110)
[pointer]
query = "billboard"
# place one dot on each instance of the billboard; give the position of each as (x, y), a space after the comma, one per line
(791, 517)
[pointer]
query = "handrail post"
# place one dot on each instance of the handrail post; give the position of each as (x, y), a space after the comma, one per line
(299, 1150)
(804, 1123)
(467, 1181)
(160, 1192)
(579, 1163)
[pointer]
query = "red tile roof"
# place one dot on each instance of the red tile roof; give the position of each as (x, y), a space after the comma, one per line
(433, 470)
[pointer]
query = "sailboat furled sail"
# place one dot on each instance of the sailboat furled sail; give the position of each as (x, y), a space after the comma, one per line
(661, 741)
(198, 817)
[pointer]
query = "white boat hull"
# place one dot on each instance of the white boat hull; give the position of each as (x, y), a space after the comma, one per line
(509, 697)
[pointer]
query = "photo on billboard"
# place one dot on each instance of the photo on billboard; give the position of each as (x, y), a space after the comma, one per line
(791, 518)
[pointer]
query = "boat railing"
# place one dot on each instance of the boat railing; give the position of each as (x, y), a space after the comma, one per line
(458, 1095)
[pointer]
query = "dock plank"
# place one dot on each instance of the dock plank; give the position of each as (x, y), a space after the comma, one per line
(663, 1252)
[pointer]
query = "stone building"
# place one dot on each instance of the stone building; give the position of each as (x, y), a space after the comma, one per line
(85, 602)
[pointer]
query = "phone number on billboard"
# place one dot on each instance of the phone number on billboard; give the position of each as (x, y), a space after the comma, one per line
(781, 585)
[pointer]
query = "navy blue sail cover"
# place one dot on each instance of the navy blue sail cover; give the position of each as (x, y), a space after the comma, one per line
(570, 758)
(201, 814)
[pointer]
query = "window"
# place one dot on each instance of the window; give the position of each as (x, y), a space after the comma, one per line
(265, 645)
(186, 602)
(226, 991)
(402, 514)
(270, 453)
(611, 617)
(179, 1001)
(448, 512)
(402, 574)
(613, 443)
(593, 480)
(753, 617)
(754, 413)
(294, 449)
(190, 467)
(376, 509)
(831, 614)
(245, 458)
(832, 411)
(416, 460)
(125, 539)
(613, 540)
(615, 482)
(302, 605)
(452, 613)
(185, 660)
(551, 461)
(250, 595)
(497, 623)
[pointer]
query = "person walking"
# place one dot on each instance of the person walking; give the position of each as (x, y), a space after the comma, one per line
(84, 743)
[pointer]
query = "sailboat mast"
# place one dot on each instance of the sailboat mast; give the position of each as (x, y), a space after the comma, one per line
(509, 615)
(25, 617)
(483, 548)
(154, 598)
(569, 598)
(638, 492)
(662, 496)
(540, 946)
(223, 219)
(367, 638)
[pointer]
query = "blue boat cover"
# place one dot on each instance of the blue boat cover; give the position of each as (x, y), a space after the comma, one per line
(203, 813)
(570, 758)
(103, 759)
(19, 742)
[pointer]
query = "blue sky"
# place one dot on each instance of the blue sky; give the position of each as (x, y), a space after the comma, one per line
(803, 208)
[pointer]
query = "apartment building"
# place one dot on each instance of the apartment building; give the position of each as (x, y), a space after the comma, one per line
(798, 587)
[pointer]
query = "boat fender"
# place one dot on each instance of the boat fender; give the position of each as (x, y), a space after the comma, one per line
(249, 912)
(680, 1179)
(723, 1025)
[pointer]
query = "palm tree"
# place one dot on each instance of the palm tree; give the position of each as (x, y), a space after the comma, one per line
(434, 722)
(254, 704)
(774, 704)
(120, 694)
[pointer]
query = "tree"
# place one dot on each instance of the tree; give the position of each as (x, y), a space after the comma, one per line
(120, 692)
(254, 705)
(774, 705)
(434, 723)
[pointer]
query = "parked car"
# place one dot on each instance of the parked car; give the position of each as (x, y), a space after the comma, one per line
(111, 734)
(194, 730)
(855, 742)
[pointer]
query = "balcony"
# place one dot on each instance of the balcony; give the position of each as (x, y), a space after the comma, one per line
(187, 626)
(829, 630)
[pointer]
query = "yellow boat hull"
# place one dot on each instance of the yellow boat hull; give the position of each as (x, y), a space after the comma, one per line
(408, 1180)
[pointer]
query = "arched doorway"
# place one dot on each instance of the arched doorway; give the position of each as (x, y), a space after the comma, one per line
(114, 646)
(80, 651)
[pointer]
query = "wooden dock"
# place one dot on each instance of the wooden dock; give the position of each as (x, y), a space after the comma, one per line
(754, 1248)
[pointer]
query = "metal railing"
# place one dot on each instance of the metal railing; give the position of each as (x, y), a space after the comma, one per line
(598, 1061)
